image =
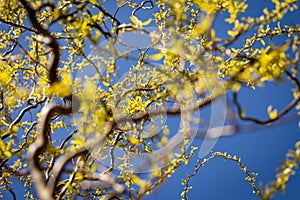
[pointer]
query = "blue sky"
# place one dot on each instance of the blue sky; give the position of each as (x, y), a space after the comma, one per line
(260, 150)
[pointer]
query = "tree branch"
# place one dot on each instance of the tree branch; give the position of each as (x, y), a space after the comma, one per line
(49, 39)
(39, 146)
(280, 115)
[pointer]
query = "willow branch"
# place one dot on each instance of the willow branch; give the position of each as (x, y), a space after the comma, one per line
(62, 161)
(12, 193)
(25, 139)
(26, 109)
(39, 146)
(49, 39)
(280, 115)
(20, 116)
(234, 129)
(142, 6)
(71, 179)
(18, 25)
(112, 159)
(171, 111)
(50, 167)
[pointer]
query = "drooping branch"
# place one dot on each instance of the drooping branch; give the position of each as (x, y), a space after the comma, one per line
(280, 115)
(251, 176)
(235, 128)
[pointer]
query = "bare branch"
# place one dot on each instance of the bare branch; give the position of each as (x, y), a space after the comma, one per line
(142, 6)
(18, 25)
(280, 115)
(112, 159)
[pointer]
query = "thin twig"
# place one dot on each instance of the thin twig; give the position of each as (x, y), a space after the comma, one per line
(280, 115)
